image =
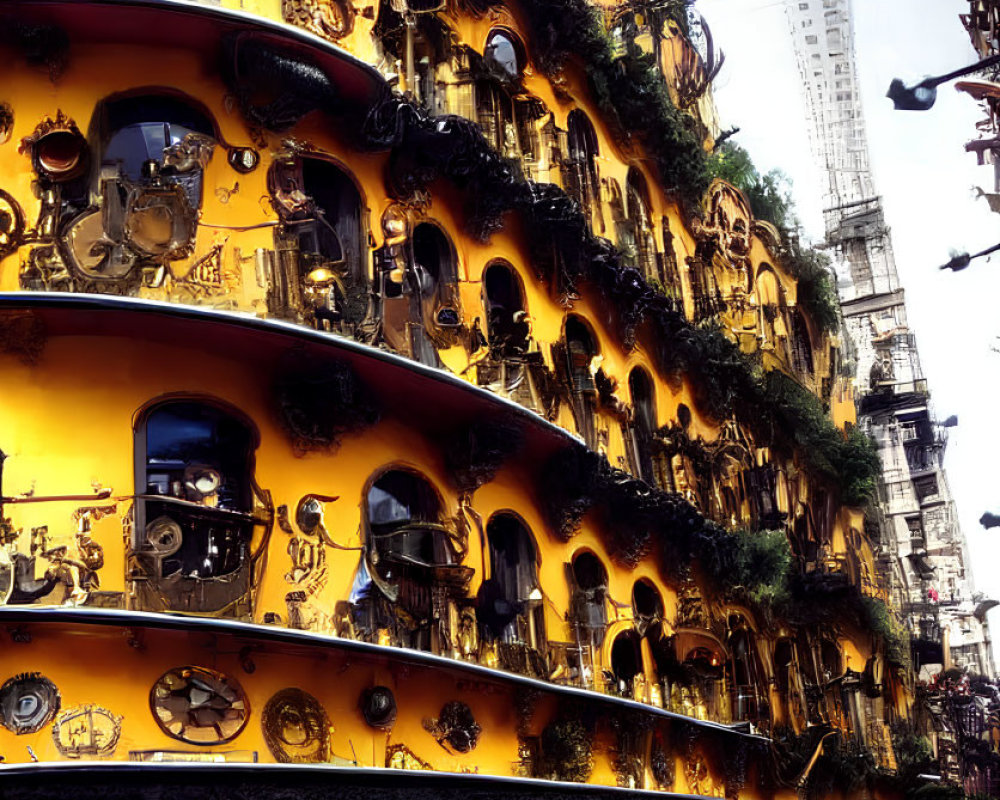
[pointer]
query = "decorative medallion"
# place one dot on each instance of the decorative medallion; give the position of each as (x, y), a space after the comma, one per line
(87, 731)
(28, 702)
(456, 728)
(296, 728)
(199, 706)
(378, 706)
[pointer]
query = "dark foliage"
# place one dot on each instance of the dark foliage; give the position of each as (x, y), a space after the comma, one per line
(636, 516)
(274, 89)
(841, 768)
(474, 453)
(455, 727)
(815, 289)
(317, 401)
(570, 486)
(629, 89)
(567, 750)
(879, 620)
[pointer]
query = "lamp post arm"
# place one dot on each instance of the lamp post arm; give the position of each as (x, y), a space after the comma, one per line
(958, 73)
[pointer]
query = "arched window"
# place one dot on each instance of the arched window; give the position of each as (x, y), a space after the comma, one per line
(580, 353)
(745, 676)
(412, 556)
(507, 119)
(580, 169)
(830, 660)
(322, 275)
(404, 519)
(641, 224)
(194, 508)
(771, 310)
(626, 663)
(153, 152)
(511, 600)
(802, 359)
(153, 129)
(647, 604)
(644, 421)
(504, 53)
(427, 301)
(784, 665)
(507, 320)
(589, 583)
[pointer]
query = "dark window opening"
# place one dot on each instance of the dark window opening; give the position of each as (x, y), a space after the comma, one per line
(580, 172)
(830, 660)
(626, 662)
(590, 587)
(580, 353)
(784, 660)
(802, 360)
(404, 517)
(646, 601)
(321, 245)
(194, 507)
(511, 600)
(643, 422)
(508, 328)
(743, 677)
(643, 244)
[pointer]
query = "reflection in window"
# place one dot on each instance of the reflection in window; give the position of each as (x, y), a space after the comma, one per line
(161, 136)
(194, 518)
(404, 516)
(502, 54)
(411, 564)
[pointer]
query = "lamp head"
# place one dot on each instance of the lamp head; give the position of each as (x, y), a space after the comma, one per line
(918, 98)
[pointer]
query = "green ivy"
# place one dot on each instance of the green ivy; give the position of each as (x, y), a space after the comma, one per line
(879, 620)
(755, 563)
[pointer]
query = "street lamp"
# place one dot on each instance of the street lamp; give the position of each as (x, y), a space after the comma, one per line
(922, 96)
(961, 261)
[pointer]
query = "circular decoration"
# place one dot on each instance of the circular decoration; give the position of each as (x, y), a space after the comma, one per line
(456, 728)
(243, 159)
(87, 731)
(165, 536)
(11, 224)
(378, 706)
(199, 706)
(28, 702)
(296, 728)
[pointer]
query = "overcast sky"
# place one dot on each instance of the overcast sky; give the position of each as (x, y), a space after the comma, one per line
(926, 180)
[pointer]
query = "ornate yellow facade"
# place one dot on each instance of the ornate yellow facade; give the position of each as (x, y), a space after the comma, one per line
(318, 450)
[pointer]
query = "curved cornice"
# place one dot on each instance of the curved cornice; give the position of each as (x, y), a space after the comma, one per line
(271, 634)
(68, 313)
(142, 21)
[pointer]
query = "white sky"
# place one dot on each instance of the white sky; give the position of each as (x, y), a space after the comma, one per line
(925, 178)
